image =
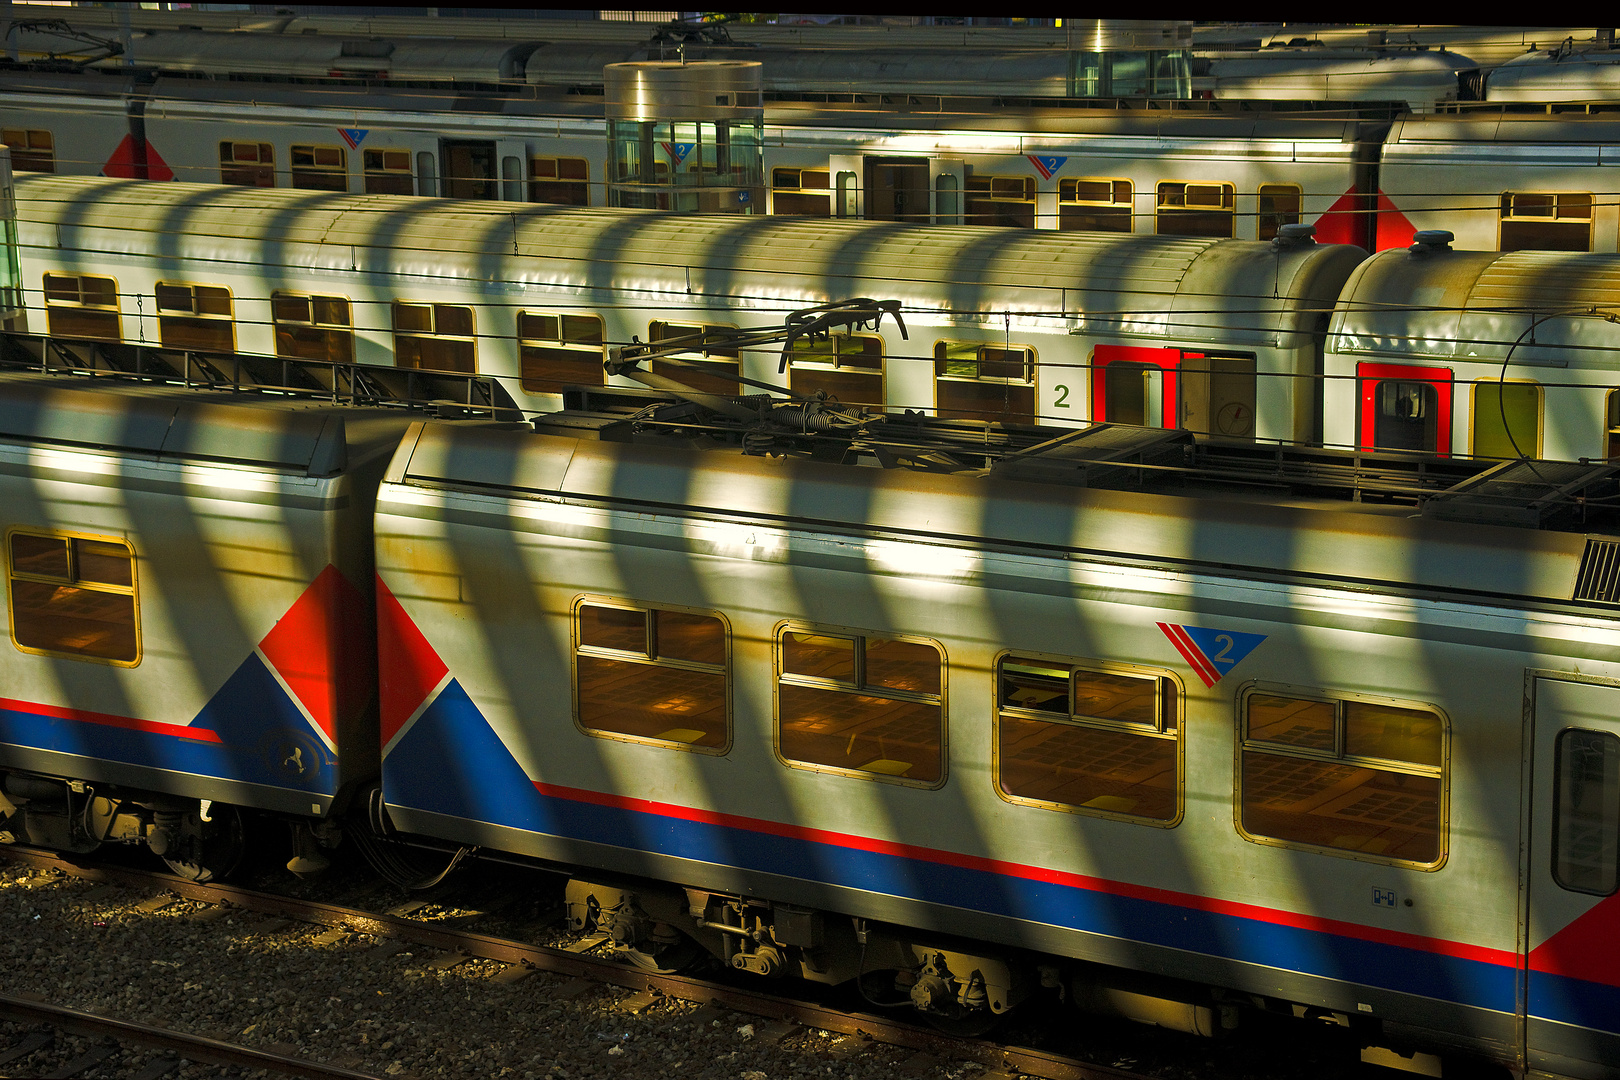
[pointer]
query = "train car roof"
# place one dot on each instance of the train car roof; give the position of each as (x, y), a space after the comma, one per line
(1247, 291)
(1479, 306)
(1410, 134)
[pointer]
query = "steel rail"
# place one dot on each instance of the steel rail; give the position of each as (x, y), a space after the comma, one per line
(1018, 1059)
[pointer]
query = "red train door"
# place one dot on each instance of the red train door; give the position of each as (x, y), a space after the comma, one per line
(1404, 407)
(1571, 931)
(1203, 392)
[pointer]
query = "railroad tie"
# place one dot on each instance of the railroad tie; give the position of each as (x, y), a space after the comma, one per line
(156, 903)
(450, 960)
(586, 943)
(35, 1041)
(639, 1003)
(513, 973)
(94, 1056)
(156, 1068)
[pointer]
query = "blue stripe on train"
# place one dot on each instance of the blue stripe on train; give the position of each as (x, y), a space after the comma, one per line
(452, 763)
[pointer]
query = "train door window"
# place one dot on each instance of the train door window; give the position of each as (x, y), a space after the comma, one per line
(1132, 384)
(1505, 419)
(512, 178)
(862, 704)
(1186, 209)
(1094, 205)
(801, 191)
(195, 317)
(32, 149)
(652, 674)
(320, 168)
(387, 172)
(1611, 444)
(1218, 394)
(82, 306)
(849, 367)
(1089, 737)
(896, 189)
(565, 181)
(73, 596)
(1343, 775)
(717, 368)
(435, 337)
(1279, 206)
(984, 382)
(1405, 407)
(947, 199)
(1546, 221)
(469, 169)
(427, 174)
(1000, 200)
(1586, 812)
(558, 351)
(248, 164)
(313, 327)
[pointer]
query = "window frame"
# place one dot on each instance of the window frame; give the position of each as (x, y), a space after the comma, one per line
(28, 152)
(1338, 698)
(116, 310)
(834, 366)
(194, 315)
(1473, 410)
(707, 359)
(1101, 667)
(1554, 853)
(1505, 217)
(1129, 205)
(266, 167)
(276, 323)
(535, 183)
(576, 649)
(132, 591)
(408, 173)
(1031, 366)
(799, 191)
(863, 689)
(1228, 207)
(314, 168)
(393, 322)
(560, 343)
(972, 195)
(1261, 213)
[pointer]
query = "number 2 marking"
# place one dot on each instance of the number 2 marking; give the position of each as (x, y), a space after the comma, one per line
(1063, 396)
(1223, 656)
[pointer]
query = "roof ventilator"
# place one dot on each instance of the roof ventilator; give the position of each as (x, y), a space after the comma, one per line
(1294, 236)
(1431, 241)
(1599, 577)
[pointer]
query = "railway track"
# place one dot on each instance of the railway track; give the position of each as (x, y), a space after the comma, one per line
(782, 1015)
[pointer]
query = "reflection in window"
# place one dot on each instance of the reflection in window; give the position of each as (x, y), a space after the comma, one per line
(1407, 415)
(248, 164)
(1586, 812)
(1000, 200)
(313, 327)
(73, 595)
(848, 367)
(1075, 737)
(651, 673)
(562, 180)
(984, 382)
(1195, 209)
(1094, 205)
(435, 337)
(387, 172)
(558, 351)
(82, 306)
(861, 703)
(803, 192)
(320, 168)
(195, 317)
(1354, 776)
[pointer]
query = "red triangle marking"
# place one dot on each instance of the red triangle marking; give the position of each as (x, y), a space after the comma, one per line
(1588, 948)
(407, 667)
(324, 650)
(1344, 223)
(124, 164)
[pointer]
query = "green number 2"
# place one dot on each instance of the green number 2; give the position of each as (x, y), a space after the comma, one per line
(1062, 396)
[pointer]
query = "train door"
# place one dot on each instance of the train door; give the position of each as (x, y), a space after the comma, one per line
(469, 169)
(1571, 934)
(513, 155)
(950, 181)
(1131, 384)
(1218, 394)
(1404, 407)
(845, 181)
(898, 189)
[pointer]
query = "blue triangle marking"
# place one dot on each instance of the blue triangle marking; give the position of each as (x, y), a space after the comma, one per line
(1053, 164)
(1224, 649)
(679, 150)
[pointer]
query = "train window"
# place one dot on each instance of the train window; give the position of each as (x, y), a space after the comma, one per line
(313, 327)
(1000, 200)
(387, 172)
(1279, 206)
(1586, 812)
(1506, 419)
(195, 317)
(565, 181)
(247, 164)
(863, 704)
(82, 306)
(804, 192)
(557, 351)
(1405, 407)
(1098, 738)
(717, 368)
(653, 674)
(1546, 221)
(320, 168)
(1342, 774)
(984, 382)
(73, 596)
(849, 367)
(32, 149)
(1186, 209)
(435, 337)
(1094, 205)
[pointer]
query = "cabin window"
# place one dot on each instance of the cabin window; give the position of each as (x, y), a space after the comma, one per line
(82, 306)
(32, 149)
(313, 327)
(73, 596)
(1000, 200)
(717, 367)
(804, 192)
(320, 168)
(565, 181)
(1344, 775)
(1279, 206)
(862, 704)
(248, 164)
(1079, 735)
(435, 337)
(1586, 812)
(1186, 209)
(1506, 419)
(652, 674)
(195, 317)
(1094, 205)
(387, 172)
(558, 351)
(1546, 221)
(849, 367)
(984, 382)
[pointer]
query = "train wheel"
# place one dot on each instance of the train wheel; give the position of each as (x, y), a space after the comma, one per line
(199, 850)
